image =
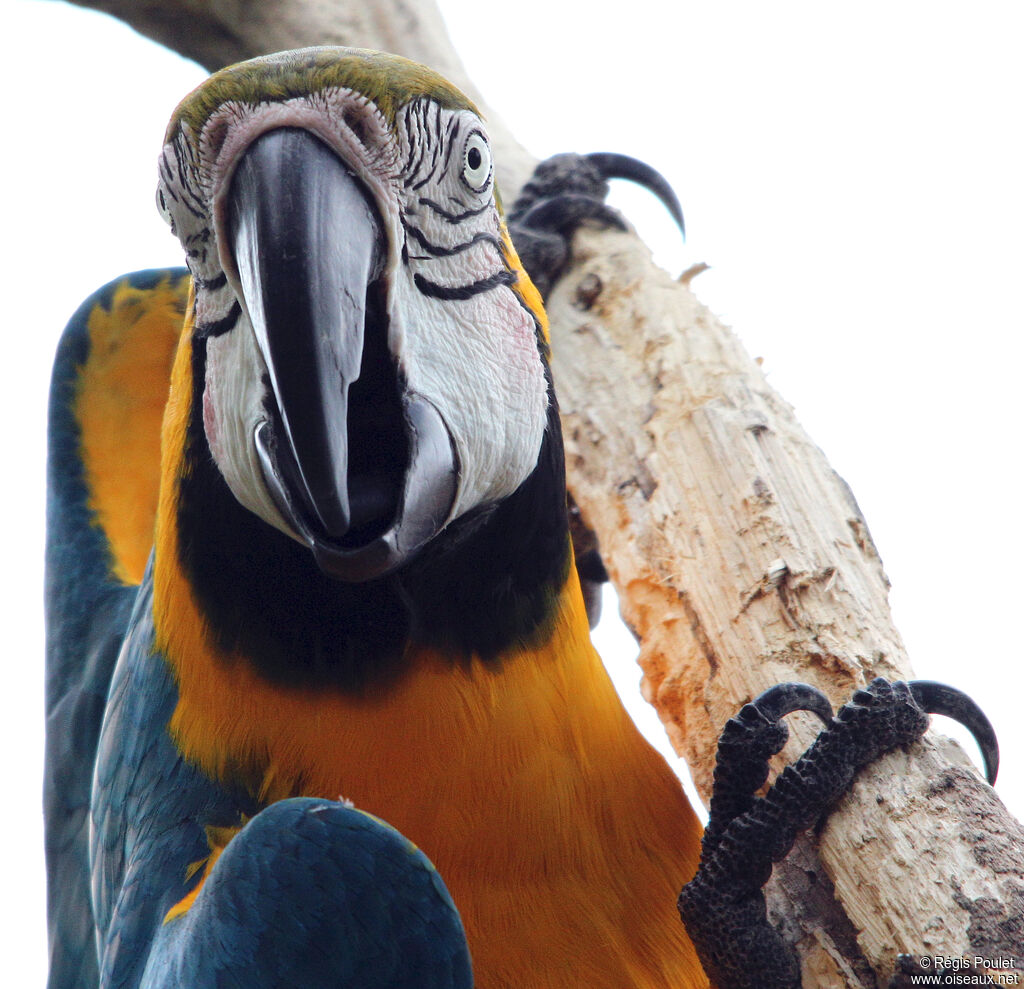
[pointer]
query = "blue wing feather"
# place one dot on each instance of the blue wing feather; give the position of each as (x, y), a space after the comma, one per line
(314, 893)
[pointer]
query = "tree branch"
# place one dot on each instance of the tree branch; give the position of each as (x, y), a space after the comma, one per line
(740, 557)
(742, 560)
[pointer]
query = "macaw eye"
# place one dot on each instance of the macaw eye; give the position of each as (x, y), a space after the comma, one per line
(476, 162)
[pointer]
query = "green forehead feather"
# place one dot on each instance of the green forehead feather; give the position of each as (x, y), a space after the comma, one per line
(388, 81)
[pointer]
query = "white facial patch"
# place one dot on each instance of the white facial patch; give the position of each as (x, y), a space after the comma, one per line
(461, 335)
(476, 361)
(232, 410)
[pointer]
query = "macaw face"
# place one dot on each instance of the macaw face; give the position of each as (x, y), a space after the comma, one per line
(374, 361)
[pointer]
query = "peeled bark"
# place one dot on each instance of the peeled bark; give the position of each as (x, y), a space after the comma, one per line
(740, 557)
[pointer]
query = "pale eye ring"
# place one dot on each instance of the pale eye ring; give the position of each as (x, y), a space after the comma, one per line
(476, 162)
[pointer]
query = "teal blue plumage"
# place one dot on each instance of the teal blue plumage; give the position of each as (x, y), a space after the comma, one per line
(309, 887)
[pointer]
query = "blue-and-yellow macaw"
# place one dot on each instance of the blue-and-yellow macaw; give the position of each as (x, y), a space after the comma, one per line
(337, 431)
(361, 583)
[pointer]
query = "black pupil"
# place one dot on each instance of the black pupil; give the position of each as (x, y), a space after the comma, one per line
(474, 159)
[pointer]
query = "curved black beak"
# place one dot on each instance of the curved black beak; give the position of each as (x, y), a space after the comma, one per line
(341, 449)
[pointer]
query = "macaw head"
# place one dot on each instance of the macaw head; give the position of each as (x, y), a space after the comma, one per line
(375, 354)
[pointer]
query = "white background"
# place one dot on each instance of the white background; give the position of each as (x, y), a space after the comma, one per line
(853, 174)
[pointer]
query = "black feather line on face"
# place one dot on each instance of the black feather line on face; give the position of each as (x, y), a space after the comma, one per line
(435, 291)
(211, 284)
(439, 251)
(489, 583)
(450, 140)
(219, 326)
(454, 217)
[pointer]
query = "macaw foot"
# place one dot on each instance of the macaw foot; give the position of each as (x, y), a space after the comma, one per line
(723, 907)
(314, 893)
(565, 192)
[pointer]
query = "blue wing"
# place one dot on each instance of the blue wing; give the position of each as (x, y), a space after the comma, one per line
(314, 893)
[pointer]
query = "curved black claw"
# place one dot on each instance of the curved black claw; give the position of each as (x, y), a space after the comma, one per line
(566, 191)
(785, 698)
(939, 698)
(616, 166)
(746, 744)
